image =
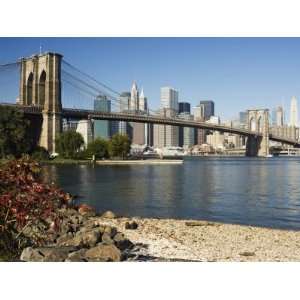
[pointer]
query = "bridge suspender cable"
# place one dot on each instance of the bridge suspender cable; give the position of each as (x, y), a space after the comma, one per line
(91, 78)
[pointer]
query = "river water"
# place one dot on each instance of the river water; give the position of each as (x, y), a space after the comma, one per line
(255, 191)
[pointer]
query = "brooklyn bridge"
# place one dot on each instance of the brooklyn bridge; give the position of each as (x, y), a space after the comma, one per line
(41, 78)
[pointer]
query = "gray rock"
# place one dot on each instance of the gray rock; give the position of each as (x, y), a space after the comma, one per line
(46, 254)
(91, 238)
(103, 253)
(108, 215)
(55, 254)
(77, 256)
(131, 225)
(112, 231)
(30, 254)
(121, 242)
(106, 239)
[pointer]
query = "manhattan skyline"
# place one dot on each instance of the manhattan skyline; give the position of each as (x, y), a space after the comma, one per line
(236, 73)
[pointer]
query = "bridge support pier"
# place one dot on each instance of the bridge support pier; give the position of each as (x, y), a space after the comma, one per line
(51, 128)
(40, 85)
(258, 121)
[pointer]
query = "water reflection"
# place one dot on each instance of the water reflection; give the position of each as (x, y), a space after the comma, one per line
(256, 191)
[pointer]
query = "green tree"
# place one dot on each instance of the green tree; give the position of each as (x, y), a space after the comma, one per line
(120, 145)
(99, 147)
(14, 137)
(69, 143)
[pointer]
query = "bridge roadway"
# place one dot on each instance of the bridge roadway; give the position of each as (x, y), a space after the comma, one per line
(139, 118)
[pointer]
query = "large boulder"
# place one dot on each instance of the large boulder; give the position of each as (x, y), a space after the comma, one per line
(103, 252)
(77, 256)
(108, 215)
(121, 242)
(47, 254)
(106, 239)
(30, 254)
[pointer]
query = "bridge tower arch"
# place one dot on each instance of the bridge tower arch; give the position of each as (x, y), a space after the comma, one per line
(258, 122)
(40, 85)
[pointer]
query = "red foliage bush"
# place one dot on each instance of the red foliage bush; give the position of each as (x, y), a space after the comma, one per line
(25, 199)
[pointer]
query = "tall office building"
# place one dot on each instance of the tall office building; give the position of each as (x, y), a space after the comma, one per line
(200, 134)
(169, 98)
(102, 128)
(143, 105)
(294, 112)
(185, 138)
(166, 135)
(134, 97)
(184, 107)
(186, 134)
(279, 116)
(124, 101)
(209, 108)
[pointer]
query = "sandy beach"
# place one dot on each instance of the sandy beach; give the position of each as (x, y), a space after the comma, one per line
(168, 239)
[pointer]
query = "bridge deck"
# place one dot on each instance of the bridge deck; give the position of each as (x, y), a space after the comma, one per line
(139, 118)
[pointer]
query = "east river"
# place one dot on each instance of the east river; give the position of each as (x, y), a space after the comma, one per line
(252, 191)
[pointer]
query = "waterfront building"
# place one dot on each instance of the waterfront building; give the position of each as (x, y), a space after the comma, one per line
(209, 108)
(279, 116)
(84, 127)
(166, 135)
(294, 112)
(216, 140)
(102, 128)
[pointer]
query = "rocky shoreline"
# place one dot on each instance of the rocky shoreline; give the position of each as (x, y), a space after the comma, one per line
(84, 236)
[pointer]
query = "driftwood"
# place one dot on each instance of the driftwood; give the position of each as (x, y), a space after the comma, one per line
(201, 223)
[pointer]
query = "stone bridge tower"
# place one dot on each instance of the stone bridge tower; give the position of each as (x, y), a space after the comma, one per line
(258, 122)
(40, 85)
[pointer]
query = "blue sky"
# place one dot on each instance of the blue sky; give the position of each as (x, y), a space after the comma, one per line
(237, 73)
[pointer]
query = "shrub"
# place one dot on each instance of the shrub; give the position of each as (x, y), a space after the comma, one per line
(69, 143)
(40, 153)
(99, 147)
(26, 201)
(120, 145)
(13, 132)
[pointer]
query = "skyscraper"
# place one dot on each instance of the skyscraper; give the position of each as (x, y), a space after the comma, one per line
(169, 98)
(279, 116)
(166, 135)
(134, 97)
(200, 134)
(184, 107)
(143, 105)
(102, 128)
(294, 112)
(186, 135)
(209, 108)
